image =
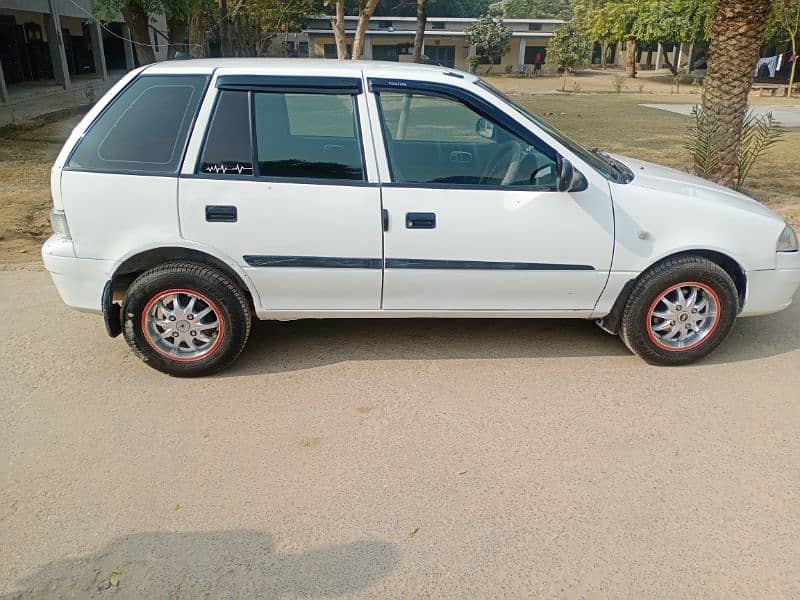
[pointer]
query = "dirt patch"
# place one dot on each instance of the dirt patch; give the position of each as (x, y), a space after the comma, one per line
(26, 154)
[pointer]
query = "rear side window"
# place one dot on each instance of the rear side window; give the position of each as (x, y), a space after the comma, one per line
(297, 136)
(228, 149)
(307, 136)
(144, 130)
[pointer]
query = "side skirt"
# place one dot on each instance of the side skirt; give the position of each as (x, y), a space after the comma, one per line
(290, 315)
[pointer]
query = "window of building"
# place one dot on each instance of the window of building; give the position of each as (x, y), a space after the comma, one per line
(329, 51)
(437, 25)
(307, 136)
(436, 140)
(385, 25)
(228, 147)
(534, 26)
(144, 130)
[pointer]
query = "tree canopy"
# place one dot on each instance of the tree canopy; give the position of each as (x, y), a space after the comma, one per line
(533, 9)
(644, 20)
(490, 36)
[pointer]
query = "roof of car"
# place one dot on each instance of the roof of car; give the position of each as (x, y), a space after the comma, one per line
(301, 66)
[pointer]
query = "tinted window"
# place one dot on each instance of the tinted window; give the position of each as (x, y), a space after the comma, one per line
(312, 136)
(145, 127)
(431, 139)
(228, 148)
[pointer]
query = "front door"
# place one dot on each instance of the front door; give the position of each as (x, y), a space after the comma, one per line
(474, 218)
(281, 188)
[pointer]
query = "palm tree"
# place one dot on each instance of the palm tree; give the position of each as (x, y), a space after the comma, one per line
(737, 28)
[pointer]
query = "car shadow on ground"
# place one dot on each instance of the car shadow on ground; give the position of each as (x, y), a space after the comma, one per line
(214, 564)
(296, 345)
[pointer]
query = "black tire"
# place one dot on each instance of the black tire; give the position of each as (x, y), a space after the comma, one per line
(211, 288)
(635, 329)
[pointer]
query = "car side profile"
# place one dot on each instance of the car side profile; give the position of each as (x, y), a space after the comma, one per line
(198, 195)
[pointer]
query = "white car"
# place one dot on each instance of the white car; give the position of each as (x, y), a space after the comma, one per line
(199, 194)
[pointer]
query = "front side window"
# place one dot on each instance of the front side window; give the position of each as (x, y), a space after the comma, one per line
(144, 129)
(437, 140)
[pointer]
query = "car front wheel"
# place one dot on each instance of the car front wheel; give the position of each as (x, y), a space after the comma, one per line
(185, 319)
(679, 311)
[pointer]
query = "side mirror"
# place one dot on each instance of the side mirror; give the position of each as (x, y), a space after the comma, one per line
(570, 180)
(484, 128)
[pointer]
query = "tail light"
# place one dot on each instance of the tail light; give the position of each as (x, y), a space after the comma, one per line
(58, 221)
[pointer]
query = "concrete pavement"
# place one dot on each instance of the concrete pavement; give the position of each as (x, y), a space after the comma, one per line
(405, 459)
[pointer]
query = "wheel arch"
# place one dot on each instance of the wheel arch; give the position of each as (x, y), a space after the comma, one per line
(730, 265)
(136, 264)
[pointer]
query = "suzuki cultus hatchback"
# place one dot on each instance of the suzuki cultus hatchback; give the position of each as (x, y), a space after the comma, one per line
(197, 195)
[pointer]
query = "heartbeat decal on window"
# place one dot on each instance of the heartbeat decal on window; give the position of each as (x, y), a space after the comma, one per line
(228, 168)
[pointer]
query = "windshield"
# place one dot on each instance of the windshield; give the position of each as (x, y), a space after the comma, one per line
(595, 158)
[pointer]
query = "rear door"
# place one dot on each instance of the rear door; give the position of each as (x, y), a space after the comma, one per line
(281, 186)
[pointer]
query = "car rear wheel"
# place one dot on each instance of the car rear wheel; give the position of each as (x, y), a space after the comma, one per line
(186, 319)
(679, 311)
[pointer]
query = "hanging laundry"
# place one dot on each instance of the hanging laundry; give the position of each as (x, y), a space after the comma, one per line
(771, 62)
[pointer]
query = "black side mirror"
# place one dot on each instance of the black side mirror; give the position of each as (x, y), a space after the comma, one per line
(570, 180)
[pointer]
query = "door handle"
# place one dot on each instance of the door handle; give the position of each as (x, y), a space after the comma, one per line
(221, 214)
(420, 220)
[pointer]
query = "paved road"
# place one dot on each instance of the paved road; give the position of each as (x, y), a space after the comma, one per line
(788, 116)
(404, 459)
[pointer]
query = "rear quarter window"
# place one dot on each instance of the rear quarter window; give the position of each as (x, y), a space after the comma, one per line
(145, 127)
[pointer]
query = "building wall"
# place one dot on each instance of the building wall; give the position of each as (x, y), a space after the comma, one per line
(510, 58)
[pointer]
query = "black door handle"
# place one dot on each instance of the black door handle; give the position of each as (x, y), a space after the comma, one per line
(221, 214)
(420, 220)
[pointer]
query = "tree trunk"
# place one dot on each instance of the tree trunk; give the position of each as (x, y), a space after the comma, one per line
(630, 58)
(603, 46)
(197, 35)
(794, 66)
(665, 55)
(139, 25)
(419, 36)
(337, 24)
(737, 27)
(178, 33)
(363, 20)
(225, 29)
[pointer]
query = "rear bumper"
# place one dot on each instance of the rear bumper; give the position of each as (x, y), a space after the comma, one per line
(772, 290)
(79, 281)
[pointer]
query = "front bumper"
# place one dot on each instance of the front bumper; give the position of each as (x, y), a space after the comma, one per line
(772, 290)
(79, 281)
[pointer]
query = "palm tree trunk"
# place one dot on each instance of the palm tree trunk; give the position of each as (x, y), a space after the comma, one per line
(337, 24)
(363, 20)
(138, 23)
(737, 28)
(630, 56)
(419, 36)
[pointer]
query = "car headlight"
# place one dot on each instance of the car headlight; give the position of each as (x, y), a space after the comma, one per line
(788, 241)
